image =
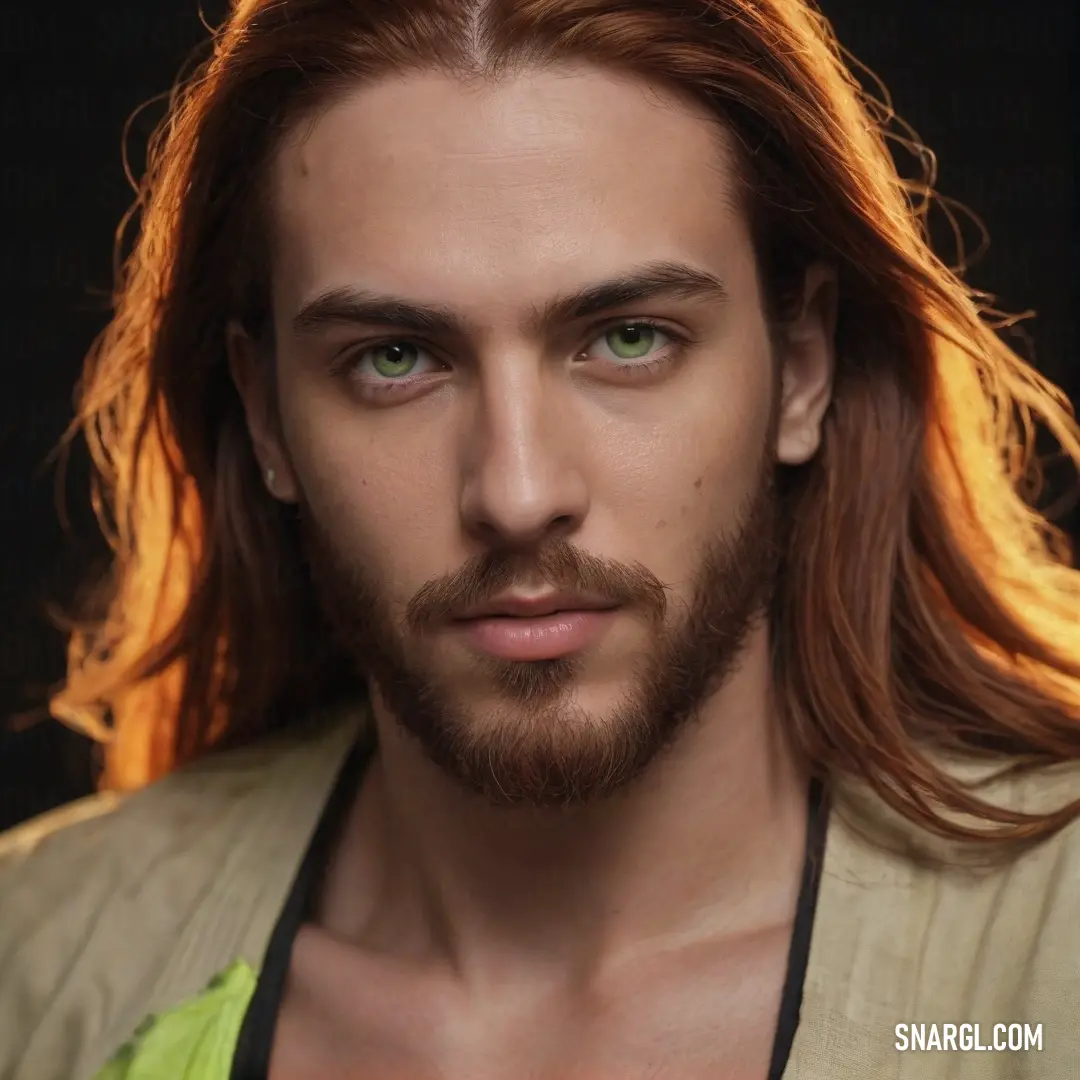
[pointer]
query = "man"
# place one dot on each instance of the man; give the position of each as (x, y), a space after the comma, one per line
(571, 618)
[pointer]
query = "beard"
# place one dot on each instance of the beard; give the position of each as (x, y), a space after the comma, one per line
(536, 746)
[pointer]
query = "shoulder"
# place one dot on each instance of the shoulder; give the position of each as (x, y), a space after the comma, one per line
(59, 863)
(913, 929)
(1044, 878)
(985, 931)
(1047, 868)
(1024, 897)
(1045, 863)
(105, 900)
(98, 881)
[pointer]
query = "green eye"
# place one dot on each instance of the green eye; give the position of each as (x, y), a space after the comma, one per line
(394, 360)
(631, 341)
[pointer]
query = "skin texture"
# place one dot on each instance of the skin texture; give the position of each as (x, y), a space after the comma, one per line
(589, 868)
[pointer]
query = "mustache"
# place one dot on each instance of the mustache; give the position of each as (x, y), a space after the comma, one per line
(557, 564)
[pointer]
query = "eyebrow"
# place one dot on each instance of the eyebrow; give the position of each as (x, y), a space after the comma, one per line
(349, 305)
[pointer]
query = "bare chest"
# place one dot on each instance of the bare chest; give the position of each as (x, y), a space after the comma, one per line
(710, 1012)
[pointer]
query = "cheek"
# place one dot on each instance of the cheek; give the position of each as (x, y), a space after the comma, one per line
(382, 502)
(688, 476)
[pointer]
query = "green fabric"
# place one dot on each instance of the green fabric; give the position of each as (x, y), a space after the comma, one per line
(194, 1041)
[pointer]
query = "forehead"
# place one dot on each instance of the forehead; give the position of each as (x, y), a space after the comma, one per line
(471, 195)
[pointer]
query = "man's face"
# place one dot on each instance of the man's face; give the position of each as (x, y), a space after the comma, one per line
(530, 410)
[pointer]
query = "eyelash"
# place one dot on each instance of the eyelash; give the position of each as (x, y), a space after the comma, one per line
(347, 363)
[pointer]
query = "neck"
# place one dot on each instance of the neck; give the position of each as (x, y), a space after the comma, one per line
(708, 844)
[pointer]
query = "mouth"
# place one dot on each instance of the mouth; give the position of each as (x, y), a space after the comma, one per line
(536, 628)
(534, 607)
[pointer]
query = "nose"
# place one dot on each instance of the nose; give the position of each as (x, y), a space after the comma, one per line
(523, 480)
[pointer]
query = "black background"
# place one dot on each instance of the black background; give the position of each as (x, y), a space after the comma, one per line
(985, 84)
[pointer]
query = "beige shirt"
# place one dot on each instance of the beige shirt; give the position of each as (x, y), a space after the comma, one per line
(115, 907)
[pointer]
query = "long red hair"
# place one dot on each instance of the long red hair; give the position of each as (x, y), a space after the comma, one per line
(923, 606)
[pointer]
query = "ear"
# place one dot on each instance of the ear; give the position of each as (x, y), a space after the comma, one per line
(808, 363)
(254, 383)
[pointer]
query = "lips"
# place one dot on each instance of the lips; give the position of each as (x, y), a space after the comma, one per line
(523, 607)
(541, 637)
(529, 629)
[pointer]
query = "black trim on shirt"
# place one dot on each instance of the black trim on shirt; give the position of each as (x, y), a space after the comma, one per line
(255, 1044)
(799, 950)
(251, 1060)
